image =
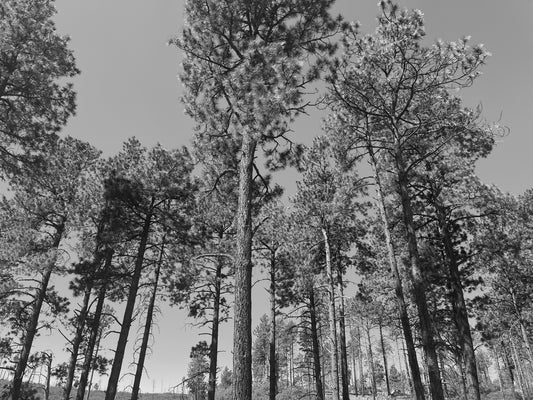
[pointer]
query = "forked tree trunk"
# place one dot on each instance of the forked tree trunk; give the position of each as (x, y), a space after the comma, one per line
(213, 348)
(94, 329)
(316, 346)
(342, 338)
(398, 286)
(33, 323)
(242, 331)
(334, 354)
(272, 341)
(114, 376)
(147, 329)
(418, 282)
(76, 342)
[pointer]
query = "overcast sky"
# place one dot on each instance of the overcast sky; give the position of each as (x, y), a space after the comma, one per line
(128, 87)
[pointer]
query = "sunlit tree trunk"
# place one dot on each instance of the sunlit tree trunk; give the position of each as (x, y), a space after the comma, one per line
(384, 352)
(242, 332)
(316, 345)
(371, 362)
(342, 339)
(334, 355)
(398, 287)
(272, 340)
(213, 348)
(418, 282)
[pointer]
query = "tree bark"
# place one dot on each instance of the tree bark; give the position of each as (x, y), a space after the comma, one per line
(316, 346)
(354, 366)
(361, 372)
(371, 362)
(460, 312)
(342, 338)
(418, 283)
(114, 376)
(384, 352)
(33, 324)
(213, 348)
(147, 329)
(272, 340)
(498, 369)
(242, 331)
(76, 342)
(334, 355)
(398, 287)
(95, 325)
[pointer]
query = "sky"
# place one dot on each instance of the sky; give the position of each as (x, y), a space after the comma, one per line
(128, 86)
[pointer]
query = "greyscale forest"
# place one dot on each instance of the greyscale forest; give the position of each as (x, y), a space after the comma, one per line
(393, 272)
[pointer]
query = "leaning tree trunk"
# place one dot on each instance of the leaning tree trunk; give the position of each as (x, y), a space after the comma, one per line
(147, 328)
(334, 355)
(242, 331)
(272, 341)
(384, 357)
(95, 327)
(418, 282)
(114, 375)
(342, 339)
(459, 310)
(33, 323)
(213, 348)
(398, 287)
(76, 342)
(316, 346)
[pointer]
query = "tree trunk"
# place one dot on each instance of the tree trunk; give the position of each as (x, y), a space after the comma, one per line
(371, 362)
(462, 375)
(354, 366)
(398, 287)
(114, 376)
(498, 369)
(509, 366)
(316, 346)
(384, 352)
(76, 342)
(242, 331)
(361, 372)
(460, 312)
(342, 338)
(33, 324)
(272, 340)
(518, 367)
(97, 347)
(95, 325)
(147, 329)
(334, 355)
(213, 348)
(418, 283)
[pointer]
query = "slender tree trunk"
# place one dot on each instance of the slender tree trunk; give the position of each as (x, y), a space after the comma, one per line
(523, 329)
(371, 362)
(316, 346)
(498, 369)
(398, 287)
(242, 332)
(342, 338)
(462, 375)
(95, 327)
(213, 348)
(518, 366)
(361, 372)
(409, 380)
(460, 312)
(272, 341)
(48, 376)
(384, 352)
(33, 324)
(509, 366)
(76, 342)
(334, 355)
(147, 328)
(114, 375)
(97, 350)
(354, 366)
(418, 283)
